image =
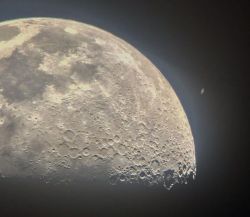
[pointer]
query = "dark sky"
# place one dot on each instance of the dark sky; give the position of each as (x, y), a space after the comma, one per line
(196, 44)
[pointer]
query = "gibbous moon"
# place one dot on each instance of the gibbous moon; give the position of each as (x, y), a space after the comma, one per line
(77, 102)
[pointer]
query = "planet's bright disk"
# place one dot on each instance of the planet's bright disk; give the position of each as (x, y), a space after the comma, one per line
(78, 102)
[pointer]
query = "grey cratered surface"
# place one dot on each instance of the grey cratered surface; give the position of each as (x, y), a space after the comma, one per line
(78, 102)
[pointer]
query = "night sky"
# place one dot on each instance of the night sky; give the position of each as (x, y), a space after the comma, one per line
(195, 44)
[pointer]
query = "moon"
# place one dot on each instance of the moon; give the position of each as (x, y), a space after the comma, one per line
(77, 102)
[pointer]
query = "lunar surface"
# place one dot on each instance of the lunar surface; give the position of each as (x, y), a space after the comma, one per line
(77, 102)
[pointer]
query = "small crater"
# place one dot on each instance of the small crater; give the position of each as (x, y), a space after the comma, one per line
(86, 152)
(79, 140)
(142, 175)
(111, 142)
(63, 149)
(110, 152)
(74, 152)
(116, 139)
(97, 159)
(104, 152)
(139, 160)
(121, 149)
(122, 178)
(1, 121)
(155, 164)
(68, 135)
(132, 171)
(169, 179)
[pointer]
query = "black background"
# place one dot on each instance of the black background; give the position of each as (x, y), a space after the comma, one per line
(196, 44)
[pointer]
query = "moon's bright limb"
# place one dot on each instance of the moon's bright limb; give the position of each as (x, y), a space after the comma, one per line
(78, 102)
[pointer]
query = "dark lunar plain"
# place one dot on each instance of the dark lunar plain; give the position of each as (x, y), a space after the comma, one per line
(196, 45)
